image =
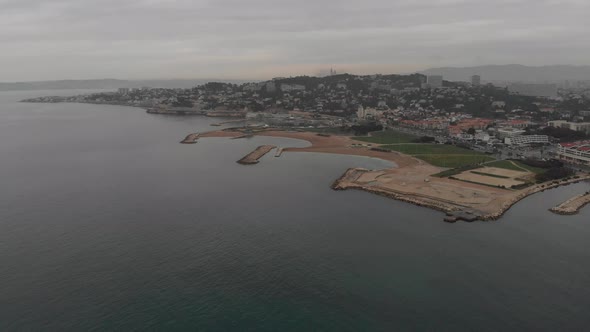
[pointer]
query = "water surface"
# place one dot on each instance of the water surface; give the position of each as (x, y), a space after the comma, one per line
(107, 223)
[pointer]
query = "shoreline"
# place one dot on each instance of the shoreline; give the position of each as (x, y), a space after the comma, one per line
(411, 179)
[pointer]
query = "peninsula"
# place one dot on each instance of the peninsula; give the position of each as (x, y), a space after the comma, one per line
(479, 192)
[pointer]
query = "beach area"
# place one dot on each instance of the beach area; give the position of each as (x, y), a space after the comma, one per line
(413, 180)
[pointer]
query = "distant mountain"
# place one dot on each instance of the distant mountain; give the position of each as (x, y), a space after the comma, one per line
(514, 73)
(108, 84)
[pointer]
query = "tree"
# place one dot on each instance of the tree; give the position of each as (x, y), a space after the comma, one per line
(471, 131)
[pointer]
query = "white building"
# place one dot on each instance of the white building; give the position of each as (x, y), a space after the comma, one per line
(476, 80)
(576, 126)
(527, 140)
(498, 104)
(505, 132)
(123, 91)
(577, 152)
(292, 87)
(364, 113)
(434, 81)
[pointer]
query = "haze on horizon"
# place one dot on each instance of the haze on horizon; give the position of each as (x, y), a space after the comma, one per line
(260, 39)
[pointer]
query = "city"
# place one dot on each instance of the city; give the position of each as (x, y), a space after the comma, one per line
(506, 122)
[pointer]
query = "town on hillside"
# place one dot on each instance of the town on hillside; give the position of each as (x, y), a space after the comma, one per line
(518, 121)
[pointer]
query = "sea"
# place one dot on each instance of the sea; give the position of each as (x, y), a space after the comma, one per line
(107, 223)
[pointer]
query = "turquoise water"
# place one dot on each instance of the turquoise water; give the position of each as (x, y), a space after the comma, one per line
(107, 223)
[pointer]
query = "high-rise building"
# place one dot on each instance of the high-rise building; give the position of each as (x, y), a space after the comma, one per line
(435, 81)
(475, 80)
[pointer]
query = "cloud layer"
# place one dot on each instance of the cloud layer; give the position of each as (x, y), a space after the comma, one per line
(258, 39)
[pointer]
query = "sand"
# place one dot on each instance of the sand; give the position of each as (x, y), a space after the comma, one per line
(411, 180)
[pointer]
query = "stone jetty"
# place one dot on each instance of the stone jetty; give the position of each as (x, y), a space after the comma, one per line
(190, 139)
(573, 205)
(254, 156)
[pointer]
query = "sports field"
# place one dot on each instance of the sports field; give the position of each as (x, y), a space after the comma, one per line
(387, 137)
(441, 155)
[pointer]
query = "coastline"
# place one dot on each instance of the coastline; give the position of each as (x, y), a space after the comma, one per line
(411, 181)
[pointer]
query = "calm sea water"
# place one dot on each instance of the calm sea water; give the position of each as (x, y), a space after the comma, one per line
(107, 223)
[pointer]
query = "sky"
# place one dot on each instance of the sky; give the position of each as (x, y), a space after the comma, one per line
(261, 39)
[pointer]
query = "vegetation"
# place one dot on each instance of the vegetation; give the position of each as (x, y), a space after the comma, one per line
(491, 175)
(388, 137)
(453, 161)
(455, 171)
(515, 165)
(554, 173)
(562, 134)
(424, 139)
(441, 155)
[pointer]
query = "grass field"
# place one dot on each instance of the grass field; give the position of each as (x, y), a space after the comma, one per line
(453, 161)
(387, 137)
(441, 155)
(515, 166)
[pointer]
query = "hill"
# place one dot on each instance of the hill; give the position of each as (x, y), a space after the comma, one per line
(514, 73)
(107, 84)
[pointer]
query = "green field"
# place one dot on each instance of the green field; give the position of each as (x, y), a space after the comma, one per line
(441, 155)
(387, 137)
(515, 166)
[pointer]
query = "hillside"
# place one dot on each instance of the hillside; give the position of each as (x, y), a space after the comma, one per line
(514, 73)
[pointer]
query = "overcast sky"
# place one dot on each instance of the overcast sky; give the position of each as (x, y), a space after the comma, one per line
(258, 39)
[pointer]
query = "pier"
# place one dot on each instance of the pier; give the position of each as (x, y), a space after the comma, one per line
(253, 157)
(573, 205)
(279, 152)
(191, 139)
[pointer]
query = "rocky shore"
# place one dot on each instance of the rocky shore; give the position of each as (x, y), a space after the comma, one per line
(573, 205)
(346, 181)
(456, 212)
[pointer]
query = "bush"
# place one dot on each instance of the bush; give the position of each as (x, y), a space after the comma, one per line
(424, 139)
(555, 173)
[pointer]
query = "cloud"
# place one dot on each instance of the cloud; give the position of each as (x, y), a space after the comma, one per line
(262, 38)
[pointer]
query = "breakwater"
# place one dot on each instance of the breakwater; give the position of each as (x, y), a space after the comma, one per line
(190, 139)
(530, 191)
(254, 156)
(573, 205)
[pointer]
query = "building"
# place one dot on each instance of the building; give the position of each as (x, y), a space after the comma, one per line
(503, 133)
(364, 113)
(271, 87)
(434, 81)
(123, 91)
(476, 80)
(292, 87)
(536, 90)
(527, 139)
(575, 153)
(576, 126)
